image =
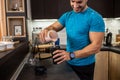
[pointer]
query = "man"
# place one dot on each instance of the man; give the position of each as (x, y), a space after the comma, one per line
(85, 32)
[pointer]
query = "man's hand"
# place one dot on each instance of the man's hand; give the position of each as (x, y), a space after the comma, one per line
(61, 56)
(42, 35)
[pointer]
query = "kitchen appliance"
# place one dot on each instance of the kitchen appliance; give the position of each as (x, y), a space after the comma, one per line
(108, 39)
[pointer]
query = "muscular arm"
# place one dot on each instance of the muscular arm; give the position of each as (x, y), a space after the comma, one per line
(96, 42)
(55, 26)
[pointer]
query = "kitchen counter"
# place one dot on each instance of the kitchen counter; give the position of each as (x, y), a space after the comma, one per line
(10, 60)
(115, 49)
(54, 72)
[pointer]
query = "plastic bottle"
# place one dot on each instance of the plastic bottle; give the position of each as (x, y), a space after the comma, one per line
(52, 36)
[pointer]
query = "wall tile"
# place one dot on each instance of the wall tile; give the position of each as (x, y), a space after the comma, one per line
(112, 24)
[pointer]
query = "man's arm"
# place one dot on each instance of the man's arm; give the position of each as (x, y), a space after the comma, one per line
(96, 42)
(55, 26)
(94, 47)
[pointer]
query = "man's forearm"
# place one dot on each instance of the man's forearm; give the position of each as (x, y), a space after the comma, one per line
(87, 51)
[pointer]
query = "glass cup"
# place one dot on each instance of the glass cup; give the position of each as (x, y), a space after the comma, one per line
(54, 48)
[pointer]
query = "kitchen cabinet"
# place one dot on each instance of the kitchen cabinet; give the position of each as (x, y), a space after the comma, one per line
(16, 18)
(114, 66)
(104, 7)
(53, 9)
(2, 19)
(49, 9)
(63, 6)
(43, 9)
(11, 59)
(117, 8)
(101, 66)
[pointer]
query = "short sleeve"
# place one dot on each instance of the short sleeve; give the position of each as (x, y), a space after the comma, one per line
(62, 20)
(97, 23)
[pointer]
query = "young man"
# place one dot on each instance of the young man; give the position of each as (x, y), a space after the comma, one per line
(85, 31)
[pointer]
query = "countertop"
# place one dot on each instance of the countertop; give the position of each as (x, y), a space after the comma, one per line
(115, 49)
(11, 59)
(54, 72)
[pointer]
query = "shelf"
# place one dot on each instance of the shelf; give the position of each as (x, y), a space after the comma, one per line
(15, 6)
(16, 26)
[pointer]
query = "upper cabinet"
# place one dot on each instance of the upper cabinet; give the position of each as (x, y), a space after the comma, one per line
(53, 9)
(16, 18)
(104, 7)
(42, 9)
(15, 6)
(49, 9)
(117, 8)
(107, 8)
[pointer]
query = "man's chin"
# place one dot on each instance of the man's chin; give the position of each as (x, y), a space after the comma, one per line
(77, 11)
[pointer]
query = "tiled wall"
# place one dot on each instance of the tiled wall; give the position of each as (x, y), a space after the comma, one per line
(112, 24)
(43, 24)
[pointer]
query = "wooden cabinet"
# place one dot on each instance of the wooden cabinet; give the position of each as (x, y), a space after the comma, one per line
(107, 8)
(107, 66)
(104, 7)
(49, 9)
(15, 6)
(53, 9)
(101, 66)
(114, 66)
(117, 8)
(16, 26)
(16, 18)
(2, 19)
(44, 9)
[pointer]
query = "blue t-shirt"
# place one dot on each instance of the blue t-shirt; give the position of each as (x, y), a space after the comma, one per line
(78, 26)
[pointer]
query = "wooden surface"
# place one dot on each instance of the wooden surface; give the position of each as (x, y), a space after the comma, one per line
(12, 21)
(2, 18)
(11, 59)
(114, 66)
(118, 38)
(101, 66)
(43, 55)
(45, 46)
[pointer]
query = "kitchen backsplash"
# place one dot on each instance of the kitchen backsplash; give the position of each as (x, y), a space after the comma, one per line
(111, 23)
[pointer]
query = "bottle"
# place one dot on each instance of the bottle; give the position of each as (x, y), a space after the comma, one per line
(52, 36)
(57, 42)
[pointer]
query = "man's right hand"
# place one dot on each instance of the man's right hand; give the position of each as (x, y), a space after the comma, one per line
(42, 35)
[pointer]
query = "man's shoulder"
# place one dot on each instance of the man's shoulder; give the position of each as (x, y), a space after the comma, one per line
(94, 13)
(68, 12)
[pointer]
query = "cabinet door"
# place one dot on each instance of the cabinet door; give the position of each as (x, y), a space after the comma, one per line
(114, 66)
(101, 66)
(37, 9)
(63, 6)
(117, 8)
(44, 9)
(51, 9)
(104, 7)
